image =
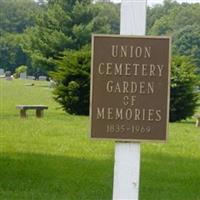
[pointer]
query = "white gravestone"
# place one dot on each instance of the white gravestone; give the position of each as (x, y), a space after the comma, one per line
(23, 75)
(42, 78)
(2, 72)
(31, 77)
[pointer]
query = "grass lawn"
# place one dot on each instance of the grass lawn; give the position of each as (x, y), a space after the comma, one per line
(53, 158)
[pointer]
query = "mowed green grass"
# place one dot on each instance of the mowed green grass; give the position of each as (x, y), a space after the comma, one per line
(53, 158)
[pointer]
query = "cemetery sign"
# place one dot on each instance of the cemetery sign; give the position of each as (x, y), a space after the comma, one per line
(130, 81)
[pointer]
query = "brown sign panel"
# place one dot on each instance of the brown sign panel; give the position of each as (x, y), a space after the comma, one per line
(130, 87)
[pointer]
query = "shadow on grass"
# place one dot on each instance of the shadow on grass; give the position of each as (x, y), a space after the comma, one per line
(48, 115)
(41, 177)
(164, 177)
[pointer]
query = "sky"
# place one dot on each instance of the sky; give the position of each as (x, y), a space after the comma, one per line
(153, 2)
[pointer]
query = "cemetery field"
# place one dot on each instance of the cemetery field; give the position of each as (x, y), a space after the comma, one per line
(53, 158)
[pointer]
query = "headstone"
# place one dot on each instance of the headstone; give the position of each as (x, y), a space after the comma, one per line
(52, 83)
(197, 116)
(2, 72)
(31, 77)
(8, 75)
(42, 78)
(23, 76)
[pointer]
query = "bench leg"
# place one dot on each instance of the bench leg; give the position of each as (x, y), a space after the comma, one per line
(39, 113)
(23, 114)
(198, 122)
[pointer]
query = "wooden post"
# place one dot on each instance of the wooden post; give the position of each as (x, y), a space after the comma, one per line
(127, 155)
(126, 171)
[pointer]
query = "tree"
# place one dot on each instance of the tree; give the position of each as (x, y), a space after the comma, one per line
(158, 11)
(66, 25)
(183, 99)
(184, 79)
(187, 42)
(73, 82)
(19, 70)
(182, 22)
(11, 54)
(16, 16)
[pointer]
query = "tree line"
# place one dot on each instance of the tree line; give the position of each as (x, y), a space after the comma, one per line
(36, 34)
(182, 22)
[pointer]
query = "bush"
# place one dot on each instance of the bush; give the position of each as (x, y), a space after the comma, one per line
(183, 99)
(19, 70)
(73, 82)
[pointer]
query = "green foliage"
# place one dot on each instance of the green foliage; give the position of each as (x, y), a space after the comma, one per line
(72, 89)
(182, 22)
(21, 69)
(109, 13)
(73, 82)
(15, 17)
(187, 42)
(11, 54)
(67, 25)
(183, 101)
(175, 17)
(155, 13)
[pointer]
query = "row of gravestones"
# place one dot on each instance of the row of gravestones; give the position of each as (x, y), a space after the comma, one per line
(22, 75)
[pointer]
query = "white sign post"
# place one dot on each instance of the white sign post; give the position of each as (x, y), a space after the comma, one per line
(127, 155)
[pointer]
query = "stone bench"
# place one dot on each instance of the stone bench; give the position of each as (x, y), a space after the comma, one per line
(197, 116)
(39, 110)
